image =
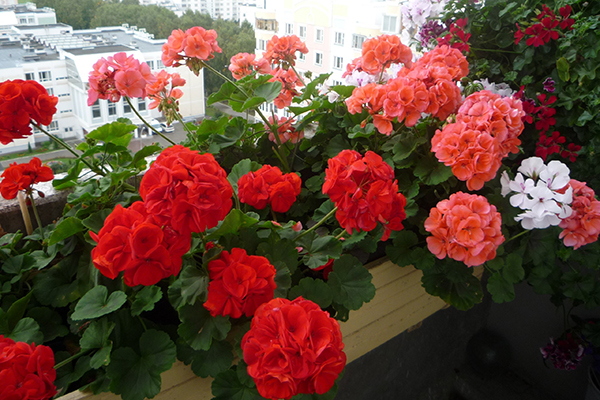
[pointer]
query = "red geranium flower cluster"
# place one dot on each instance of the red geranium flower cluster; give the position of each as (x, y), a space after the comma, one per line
(118, 75)
(486, 129)
(269, 185)
(190, 48)
(133, 241)
(457, 38)
(281, 51)
(365, 192)
(23, 177)
(244, 64)
(187, 190)
(465, 228)
(427, 87)
(583, 225)
(285, 130)
(239, 283)
(26, 371)
(293, 347)
(289, 82)
(20, 102)
(544, 27)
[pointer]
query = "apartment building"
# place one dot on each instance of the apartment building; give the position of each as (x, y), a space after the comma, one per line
(224, 9)
(12, 14)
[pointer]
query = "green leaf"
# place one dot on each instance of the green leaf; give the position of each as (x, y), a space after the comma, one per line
(350, 283)
(562, 66)
(212, 362)
(18, 264)
(268, 91)
(281, 253)
(57, 286)
(145, 300)
(513, 271)
(26, 330)
(454, 283)
(95, 221)
(431, 171)
(240, 169)
(137, 376)
(336, 145)
(66, 228)
(97, 303)
(319, 249)
(17, 310)
(500, 289)
(50, 322)
(96, 336)
(224, 93)
(198, 327)
(191, 285)
(405, 147)
(400, 252)
(116, 132)
(232, 223)
(228, 386)
(139, 159)
(313, 289)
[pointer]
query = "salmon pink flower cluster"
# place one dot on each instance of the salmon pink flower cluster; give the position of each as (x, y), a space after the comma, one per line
(187, 190)
(268, 185)
(118, 75)
(244, 64)
(583, 225)
(23, 176)
(281, 51)
(426, 87)
(165, 94)
(20, 103)
(465, 228)
(285, 130)
(486, 130)
(190, 48)
(544, 194)
(293, 347)
(135, 242)
(289, 82)
(365, 192)
(380, 52)
(26, 371)
(239, 283)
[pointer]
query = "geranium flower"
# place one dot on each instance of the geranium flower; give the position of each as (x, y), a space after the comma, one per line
(190, 48)
(281, 51)
(23, 176)
(583, 225)
(244, 64)
(164, 93)
(268, 185)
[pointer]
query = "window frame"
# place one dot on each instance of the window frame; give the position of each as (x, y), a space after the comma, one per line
(335, 62)
(356, 38)
(301, 29)
(43, 77)
(339, 35)
(388, 18)
(318, 55)
(319, 32)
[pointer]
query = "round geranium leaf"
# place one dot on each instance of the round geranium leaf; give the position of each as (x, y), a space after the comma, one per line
(313, 289)
(97, 303)
(145, 300)
(350, 283)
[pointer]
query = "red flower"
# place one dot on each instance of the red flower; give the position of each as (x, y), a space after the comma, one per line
(239, 283)
(187, 190)
(281, 51)
(365, 192)
(26, 371)
(134, 242)
(269, 185)
(20, 102)
(23, 177)
(293, 347)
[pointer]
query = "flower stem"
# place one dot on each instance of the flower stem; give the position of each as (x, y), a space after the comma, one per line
(37, 216)
(321, 222)
(299, 76)
(341, 234)
(146, 123)
(73, 357)
(178, 118)
(495, 50)
(517, 235)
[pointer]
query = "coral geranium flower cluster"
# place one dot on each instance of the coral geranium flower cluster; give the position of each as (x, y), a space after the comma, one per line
(365, 192)
(285, 130)
(116, 76)
(239, 283)
(281, 51)
(136, 243)
(187, 190)
(426, 87)
(164, 93)
(268, 185)
(190, 48)
(23, 176)
(465, 228)
(244, 64)
(583, 225)
(486, 129)
(293, 347)
(380, 52)
(26, 371)
(20, 102)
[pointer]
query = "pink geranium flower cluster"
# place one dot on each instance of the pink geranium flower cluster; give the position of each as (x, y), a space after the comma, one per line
(289, 82)
(118, 75)
(281, 51)
(583, 226)
(164, 93)
(190, 48)
(465, 228)
(244, 64)
(426, 87)
(285, 130)
(486, 129)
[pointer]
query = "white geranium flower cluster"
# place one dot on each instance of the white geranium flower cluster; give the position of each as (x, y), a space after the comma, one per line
(416, 12)
(539, 189)
(503, 89)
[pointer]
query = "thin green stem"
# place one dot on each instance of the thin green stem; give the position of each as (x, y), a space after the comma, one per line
(299, 76)
(517, 235)
(73, 357)
(143, 323)
(341, 234)
(37, 216)
(315, 226)
(495, 50)
(238, 205)
(178, 118)
(146, 123)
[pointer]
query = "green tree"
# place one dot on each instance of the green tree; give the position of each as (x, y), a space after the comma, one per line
(77, 13)
(156, 20)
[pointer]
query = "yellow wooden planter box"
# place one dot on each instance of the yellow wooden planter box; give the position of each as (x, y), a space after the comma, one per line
(399, 304)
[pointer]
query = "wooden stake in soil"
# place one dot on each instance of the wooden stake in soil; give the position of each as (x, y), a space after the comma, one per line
(25, 212)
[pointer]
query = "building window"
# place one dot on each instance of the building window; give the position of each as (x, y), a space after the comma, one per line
(50, 91)
(301, 56)
(339, 38)
(112, 108)
(267, 24)
(389, 23)
(126, 108)
(53, 126)
(150, 64)
(29, 76)
(336, 83)
(45, 76)
(302, 31)
(318, 58)
(261, 44)
(338, 62)
(319, 36)
(22, 21)
(357, 41)
(141, 104)
(96, 113)
(289, 29)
